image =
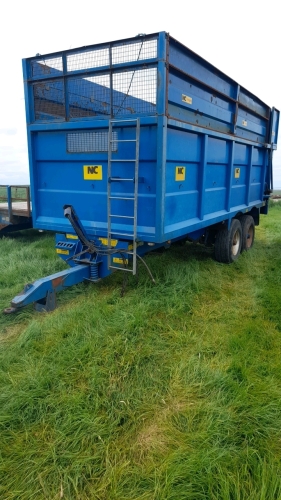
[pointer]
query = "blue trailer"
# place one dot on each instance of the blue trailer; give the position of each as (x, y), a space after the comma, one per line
(137, 143)
(15, 208)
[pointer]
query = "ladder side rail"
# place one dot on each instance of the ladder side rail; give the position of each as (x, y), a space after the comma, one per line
(136, 197)
(109, 189)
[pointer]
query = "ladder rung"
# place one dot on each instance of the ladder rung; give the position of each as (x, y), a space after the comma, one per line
(125, 120)
(123, 140)
(120, 198)
(123, 161)
(127, 253)
(121, 234)
(122, 216)
(117, 179)
(121, 269)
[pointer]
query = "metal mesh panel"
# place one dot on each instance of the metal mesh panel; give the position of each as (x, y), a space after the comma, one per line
(122, 53)
(89, 96)
(42, 67)
(135, 51)
(134, 91)
(87, 142)
(86, 60)
(49, 101)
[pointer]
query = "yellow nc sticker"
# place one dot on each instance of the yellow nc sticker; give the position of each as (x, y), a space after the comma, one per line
(104, 241)
(71, 237)
(92, 172)
(63, 252)
(117, 260)
(237, 173)
(180, 174)
(139, 244)
(186, 99)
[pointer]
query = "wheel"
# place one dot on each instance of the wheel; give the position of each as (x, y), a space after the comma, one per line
(248, 232)
(228, 243)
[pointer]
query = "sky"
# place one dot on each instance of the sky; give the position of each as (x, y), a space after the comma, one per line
(240, 38)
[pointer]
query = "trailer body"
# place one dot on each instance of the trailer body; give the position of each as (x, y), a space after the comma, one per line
(139, 142)
(205, 141)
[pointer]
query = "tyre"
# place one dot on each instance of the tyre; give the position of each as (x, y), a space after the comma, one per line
(228, 243)
(248, 232)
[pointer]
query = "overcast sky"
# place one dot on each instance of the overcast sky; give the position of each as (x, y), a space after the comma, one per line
(241, 38)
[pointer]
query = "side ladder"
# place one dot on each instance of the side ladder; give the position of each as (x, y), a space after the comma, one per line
(132, 177)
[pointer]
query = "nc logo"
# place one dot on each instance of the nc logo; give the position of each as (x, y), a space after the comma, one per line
(180, 174)
(92, 172)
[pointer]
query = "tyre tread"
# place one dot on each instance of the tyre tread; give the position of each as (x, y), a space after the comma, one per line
(223, 243)
(246, 222)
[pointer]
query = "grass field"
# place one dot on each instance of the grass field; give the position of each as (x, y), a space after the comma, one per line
(171, 392)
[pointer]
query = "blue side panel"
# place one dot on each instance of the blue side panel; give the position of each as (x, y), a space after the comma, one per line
(200, 94)
(221, 177)
(239, 185)
(182, 197)
(190, 102)
(216, 175)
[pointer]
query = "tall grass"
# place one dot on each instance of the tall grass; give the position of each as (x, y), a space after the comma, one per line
(171, 392)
